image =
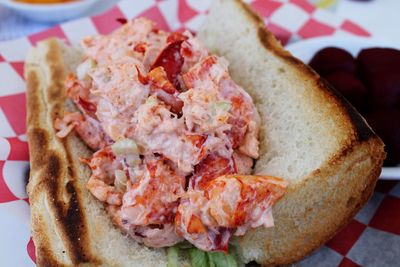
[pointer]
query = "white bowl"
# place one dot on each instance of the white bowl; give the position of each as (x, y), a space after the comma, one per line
(50, 12)
(305, 50)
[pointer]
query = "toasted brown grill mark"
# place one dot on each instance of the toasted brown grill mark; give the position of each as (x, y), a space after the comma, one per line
(53, 171)
(51, 159)
(33, 97)
(38, 141)
(73, 226)
(75, 220)
(55, 59)
(46, 258)
(69, 216)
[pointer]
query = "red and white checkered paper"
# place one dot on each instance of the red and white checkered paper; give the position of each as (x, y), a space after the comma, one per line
(373, 236)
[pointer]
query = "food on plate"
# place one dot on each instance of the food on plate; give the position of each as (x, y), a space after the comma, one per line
(377, 59)
(373, 88)
(151, 148)
(385, 123)
(384, 88)
(333, 59)
(379, 69)
(351, 87)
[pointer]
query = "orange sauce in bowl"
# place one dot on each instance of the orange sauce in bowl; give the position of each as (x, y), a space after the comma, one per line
(44, 1)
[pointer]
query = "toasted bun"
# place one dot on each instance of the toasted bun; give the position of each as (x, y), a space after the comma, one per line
(311, 137)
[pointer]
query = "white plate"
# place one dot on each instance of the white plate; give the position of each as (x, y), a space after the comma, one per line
(50, 12)
(305, 50)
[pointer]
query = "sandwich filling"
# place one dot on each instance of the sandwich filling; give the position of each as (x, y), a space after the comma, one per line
(174, 138)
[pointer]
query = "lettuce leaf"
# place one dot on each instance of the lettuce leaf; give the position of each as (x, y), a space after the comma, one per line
(200, 258)
(220, 259)
(173, 256)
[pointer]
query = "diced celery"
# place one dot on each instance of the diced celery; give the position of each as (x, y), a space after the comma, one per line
(124, 146)
(84, 68)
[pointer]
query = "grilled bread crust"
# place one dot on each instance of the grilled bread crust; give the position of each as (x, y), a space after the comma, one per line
(71, 228)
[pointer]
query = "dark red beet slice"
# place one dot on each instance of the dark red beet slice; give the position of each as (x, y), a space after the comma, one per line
(371, 60)
(333, 59)
(379, 69)
(384, 87)
(351, 88)
(386, 124)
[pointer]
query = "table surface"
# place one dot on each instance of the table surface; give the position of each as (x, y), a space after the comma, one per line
(379, 17)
